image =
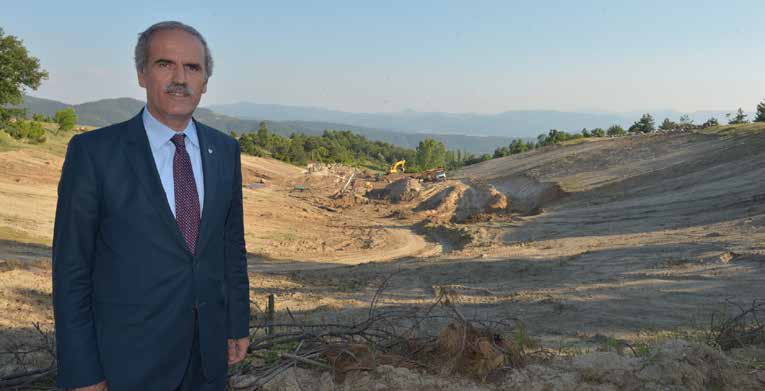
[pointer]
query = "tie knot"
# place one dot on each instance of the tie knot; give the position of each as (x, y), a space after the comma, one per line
(179, 140)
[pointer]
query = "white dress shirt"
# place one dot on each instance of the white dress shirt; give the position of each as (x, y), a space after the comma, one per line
(164, 150)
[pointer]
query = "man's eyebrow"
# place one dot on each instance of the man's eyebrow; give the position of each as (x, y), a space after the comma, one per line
(194, 64)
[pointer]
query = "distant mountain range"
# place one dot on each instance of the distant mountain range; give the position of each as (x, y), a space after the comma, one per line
(513, 124)
(474, 133)
(109, 111)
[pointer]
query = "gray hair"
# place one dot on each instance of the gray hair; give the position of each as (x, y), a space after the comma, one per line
(142, 47)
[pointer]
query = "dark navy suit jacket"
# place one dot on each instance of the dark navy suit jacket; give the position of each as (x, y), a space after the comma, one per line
(124, 284)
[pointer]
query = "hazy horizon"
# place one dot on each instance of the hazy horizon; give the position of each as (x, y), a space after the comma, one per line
(442, 57)
(202, 104)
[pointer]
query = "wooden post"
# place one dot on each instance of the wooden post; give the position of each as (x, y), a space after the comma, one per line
(350, 178)
(270, 315)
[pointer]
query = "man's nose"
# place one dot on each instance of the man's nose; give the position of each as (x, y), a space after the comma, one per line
(179, 76)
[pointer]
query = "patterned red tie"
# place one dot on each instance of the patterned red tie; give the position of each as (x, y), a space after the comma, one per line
(186, 197)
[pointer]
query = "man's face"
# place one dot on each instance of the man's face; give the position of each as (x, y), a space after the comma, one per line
(174, 75)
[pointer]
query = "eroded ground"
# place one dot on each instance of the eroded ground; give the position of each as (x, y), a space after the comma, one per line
(627, 239)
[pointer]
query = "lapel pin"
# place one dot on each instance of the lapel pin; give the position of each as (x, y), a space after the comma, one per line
(209, 150)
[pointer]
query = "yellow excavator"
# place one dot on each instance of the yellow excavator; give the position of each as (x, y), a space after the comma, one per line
(399, 166)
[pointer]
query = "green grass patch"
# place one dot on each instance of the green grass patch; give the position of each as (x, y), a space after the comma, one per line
(55, 143)
(7, 143)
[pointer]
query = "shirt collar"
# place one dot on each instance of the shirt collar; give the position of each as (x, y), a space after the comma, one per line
(160, 134)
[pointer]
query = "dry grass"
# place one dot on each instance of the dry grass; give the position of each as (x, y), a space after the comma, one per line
(744, 328)
(735, 130)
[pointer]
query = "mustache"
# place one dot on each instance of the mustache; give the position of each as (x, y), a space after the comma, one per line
(179, 88)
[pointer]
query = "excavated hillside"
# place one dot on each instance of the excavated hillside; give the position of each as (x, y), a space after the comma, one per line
(627, 246)
(625, 240)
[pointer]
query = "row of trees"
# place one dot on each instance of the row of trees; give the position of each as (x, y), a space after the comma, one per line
(740, 118)
(348, 148)
(555, 136)
(332, 146)
(33, 131)
(646, 124)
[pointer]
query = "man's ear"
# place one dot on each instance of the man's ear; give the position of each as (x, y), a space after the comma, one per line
(141, 78)
(204, 86)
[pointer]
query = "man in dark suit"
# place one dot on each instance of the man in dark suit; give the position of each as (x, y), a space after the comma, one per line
(150, 286)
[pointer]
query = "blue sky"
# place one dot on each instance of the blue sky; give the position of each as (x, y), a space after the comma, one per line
(449, 56)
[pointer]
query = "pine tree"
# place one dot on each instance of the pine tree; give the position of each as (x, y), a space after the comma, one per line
(759, 116)
(644, 125)
(667, 125)
(739, 118)
(262, 137)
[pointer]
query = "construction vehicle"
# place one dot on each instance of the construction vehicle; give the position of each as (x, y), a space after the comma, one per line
(399, 166)
(432, 175)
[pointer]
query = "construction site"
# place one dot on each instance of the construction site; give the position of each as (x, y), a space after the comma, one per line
(624, 263)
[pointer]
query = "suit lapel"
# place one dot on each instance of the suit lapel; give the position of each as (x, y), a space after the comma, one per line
(211, 154)
(142, 160)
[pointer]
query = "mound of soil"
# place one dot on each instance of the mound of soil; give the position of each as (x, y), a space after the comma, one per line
(401, 190)
(441, 205)
(479, 198)
(443, 199)
(460, 203)
(527, 194)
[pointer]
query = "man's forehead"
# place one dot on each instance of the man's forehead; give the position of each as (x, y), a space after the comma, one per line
(176, 43)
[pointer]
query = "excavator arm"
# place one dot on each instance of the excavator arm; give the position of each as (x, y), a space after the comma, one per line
(399, 166)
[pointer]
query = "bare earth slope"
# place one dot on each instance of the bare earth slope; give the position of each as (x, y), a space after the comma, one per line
(630, 238)
(643, 232)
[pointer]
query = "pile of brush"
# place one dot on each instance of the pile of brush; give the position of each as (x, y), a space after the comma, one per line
(436, 339)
